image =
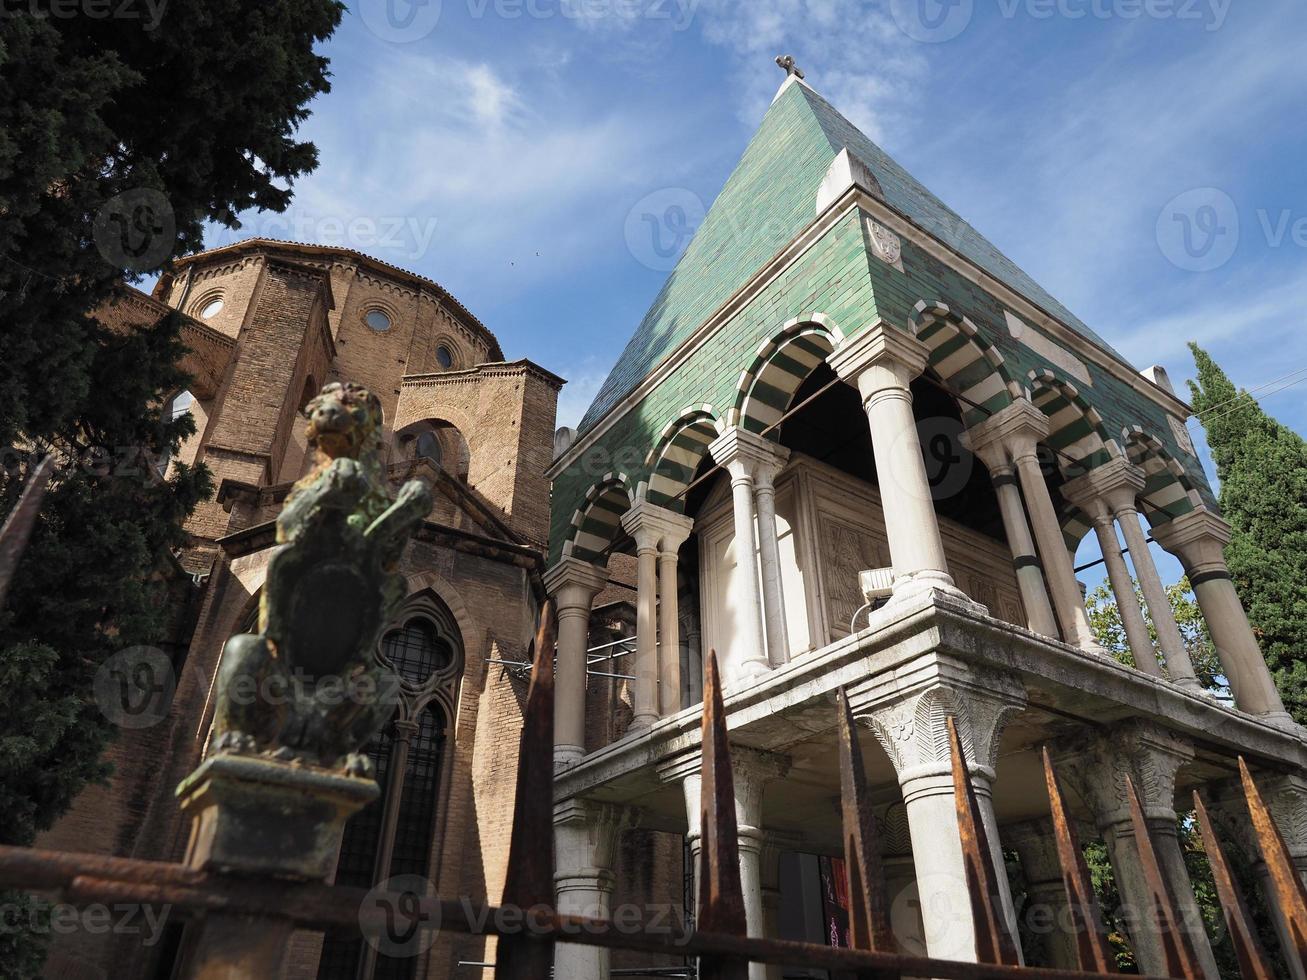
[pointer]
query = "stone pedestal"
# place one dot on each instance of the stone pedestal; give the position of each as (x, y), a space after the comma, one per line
(258, 816)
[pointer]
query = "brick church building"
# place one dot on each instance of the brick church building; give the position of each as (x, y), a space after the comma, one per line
(269, 323)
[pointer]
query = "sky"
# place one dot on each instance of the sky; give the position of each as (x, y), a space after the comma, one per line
(1142, 159)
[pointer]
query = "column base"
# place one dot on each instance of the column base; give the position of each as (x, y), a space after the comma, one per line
(1284, 721)
(567, 756)
(913, 586)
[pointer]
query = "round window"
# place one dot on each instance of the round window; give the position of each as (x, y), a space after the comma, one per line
(444, 358)
(211, 309)
(378, 320)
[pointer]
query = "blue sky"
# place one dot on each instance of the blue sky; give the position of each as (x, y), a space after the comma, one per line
(501, 147)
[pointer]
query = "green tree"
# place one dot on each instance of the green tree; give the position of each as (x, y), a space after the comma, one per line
(124, 128)
(1262, 468)
(1105, 621)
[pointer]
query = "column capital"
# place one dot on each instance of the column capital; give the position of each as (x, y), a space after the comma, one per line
(766, 471)
(574, 583)
(745, 453)
(897, 354)
(1008, 433)
(1150, 754)
(1197, 538)
(1116, 483)
(656, 527)
(910, 724)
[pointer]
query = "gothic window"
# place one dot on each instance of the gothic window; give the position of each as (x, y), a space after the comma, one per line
(429, 446)
(424, 648)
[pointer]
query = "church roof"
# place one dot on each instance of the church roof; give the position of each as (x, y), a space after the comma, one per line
(769, 199)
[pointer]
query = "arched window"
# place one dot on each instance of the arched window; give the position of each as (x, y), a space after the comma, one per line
(429, 446)
(444, 358)
(425, 650)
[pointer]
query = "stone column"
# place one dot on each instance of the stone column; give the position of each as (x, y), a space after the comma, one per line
(649, 526)
(585, 839)
(910, 725)
(881, 362)
(1151, 756)
(1029, 570)
(1120, 483)
(1047, 913)
(737, 451)
(1198, 539)
(1018, 430)
(669, 626)
(751, 770)
(572, 584)
(769, 555)
(1085, 494)
(773, 846)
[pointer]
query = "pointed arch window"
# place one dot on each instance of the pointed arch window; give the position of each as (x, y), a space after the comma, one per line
(425, 650)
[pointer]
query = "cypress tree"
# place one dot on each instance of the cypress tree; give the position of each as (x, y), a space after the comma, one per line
(124, 128)
(1262, 467)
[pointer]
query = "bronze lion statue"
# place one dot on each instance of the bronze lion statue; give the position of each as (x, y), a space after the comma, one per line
(307, 687)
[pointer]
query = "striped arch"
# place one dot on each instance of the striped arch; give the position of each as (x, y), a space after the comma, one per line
(779, 366)
(1075, 525)
(1168, 492)
(1076, 430)
(971, 367)
(677, 454)
(595, 523)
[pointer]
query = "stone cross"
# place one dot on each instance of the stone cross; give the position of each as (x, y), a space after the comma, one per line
(786, 61)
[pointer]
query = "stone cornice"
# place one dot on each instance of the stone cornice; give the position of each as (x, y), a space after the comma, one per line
(911, 641)
(490, 369)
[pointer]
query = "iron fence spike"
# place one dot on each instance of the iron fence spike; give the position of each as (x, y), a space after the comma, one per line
(721, 897)
(1180, 958)
(1286, 884)
(869, 921)
(994, 941)
(529, 882)
(1247, 947)
(1092, 952)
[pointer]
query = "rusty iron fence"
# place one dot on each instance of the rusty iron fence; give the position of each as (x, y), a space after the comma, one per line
(239, 925)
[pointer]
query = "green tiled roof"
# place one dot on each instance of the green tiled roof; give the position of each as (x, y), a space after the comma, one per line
(768, 199)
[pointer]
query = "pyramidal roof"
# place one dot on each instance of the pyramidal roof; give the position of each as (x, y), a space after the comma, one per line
(769, 198)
